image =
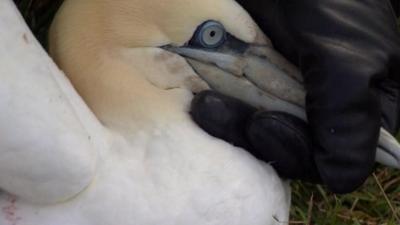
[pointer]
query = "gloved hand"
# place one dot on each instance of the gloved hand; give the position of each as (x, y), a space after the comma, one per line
(349, 54)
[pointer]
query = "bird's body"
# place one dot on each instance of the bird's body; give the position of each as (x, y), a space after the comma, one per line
(154, 166)
(174, 174)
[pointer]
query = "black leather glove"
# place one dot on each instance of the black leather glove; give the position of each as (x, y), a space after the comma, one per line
(396, 7)
(349, 54)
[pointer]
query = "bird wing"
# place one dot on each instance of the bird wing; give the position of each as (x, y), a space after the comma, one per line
(48, 136)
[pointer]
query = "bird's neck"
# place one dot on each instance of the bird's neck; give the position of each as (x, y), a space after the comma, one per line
(120, 96)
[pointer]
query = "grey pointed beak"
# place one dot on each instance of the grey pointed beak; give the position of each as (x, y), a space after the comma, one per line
(388, 150)
(260, 76)
(251, 75)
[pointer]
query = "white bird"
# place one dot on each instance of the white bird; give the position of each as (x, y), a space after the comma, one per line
(133, 156)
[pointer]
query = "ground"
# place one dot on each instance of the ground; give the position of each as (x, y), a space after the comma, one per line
(377, 202)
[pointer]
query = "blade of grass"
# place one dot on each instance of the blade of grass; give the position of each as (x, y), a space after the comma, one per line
(386, 198)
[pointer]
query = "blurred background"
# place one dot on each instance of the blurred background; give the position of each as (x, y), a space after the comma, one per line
(377, 202)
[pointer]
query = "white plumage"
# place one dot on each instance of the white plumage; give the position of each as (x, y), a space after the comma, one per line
(140, 160)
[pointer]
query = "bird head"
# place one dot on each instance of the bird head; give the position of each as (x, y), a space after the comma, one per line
(153, 54)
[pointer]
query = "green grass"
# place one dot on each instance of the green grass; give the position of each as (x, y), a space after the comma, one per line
(377, 202)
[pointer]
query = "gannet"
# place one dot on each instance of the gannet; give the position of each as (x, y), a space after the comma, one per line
(117, 144)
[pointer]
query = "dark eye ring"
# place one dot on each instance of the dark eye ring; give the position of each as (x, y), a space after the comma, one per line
(210, 34)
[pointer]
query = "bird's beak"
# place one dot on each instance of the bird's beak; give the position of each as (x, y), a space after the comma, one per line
(255, 74)
(260, 76)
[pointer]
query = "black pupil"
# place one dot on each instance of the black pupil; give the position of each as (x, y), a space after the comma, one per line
(213, 33)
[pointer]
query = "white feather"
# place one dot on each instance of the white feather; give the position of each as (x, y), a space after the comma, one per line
(166, 173)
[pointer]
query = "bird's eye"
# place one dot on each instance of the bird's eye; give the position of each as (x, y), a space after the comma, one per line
(210, 34)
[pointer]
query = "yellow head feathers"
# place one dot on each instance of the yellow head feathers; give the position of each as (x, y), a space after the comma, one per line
(151, 23)
(110, 50)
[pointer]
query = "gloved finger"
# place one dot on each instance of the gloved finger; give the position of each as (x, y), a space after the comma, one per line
(396, 7)
(284, 141)
(389, 88)
(343, 48)
(222, 117)
(269, 15)
(342, 106)
(389, 96)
